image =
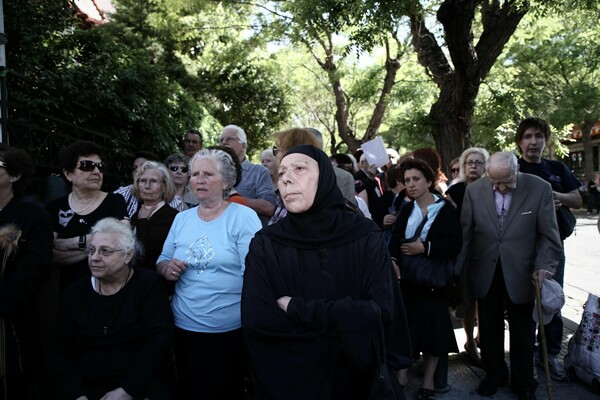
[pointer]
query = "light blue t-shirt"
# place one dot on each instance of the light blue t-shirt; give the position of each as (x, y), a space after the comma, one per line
(208, 294)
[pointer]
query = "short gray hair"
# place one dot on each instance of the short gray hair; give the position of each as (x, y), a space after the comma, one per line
(177, 157)
(167, 179)
(225, 166)
(124, 234)
(240, 133)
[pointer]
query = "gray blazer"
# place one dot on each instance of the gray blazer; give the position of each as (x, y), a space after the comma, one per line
(528, 241)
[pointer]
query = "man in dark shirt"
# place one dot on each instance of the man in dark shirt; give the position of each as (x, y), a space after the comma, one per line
(532, 136)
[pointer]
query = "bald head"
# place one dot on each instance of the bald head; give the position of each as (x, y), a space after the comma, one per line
(502, 170)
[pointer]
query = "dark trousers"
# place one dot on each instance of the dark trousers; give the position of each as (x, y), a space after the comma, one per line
(491, 336)
(210, 365)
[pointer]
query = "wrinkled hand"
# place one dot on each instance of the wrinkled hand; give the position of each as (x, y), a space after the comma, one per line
(412, 248)
(283, 302)
(174, 269)
(117, 394)
(542, 274)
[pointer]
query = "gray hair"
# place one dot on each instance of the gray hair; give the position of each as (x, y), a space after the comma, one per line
(463, 158)
(504, 160)
(167, 179)
(267, 152)
(123, 233)
(177, 157)
(225, 166)
(240, 133)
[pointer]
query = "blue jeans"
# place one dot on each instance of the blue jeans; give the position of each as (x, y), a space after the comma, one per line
(554, 329)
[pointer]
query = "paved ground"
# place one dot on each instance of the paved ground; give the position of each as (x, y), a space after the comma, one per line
(582, 276)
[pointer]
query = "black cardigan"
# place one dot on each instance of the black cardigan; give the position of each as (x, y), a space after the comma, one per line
(444, 237)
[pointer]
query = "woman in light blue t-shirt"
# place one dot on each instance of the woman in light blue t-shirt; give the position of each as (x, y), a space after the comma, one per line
(204, 254)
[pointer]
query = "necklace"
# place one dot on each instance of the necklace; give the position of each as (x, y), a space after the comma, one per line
(87, 205)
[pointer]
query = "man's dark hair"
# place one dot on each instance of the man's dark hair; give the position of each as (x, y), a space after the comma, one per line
(532, 122)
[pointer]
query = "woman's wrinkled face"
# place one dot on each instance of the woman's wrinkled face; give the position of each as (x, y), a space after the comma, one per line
(110, 266)
(207, 181)
(474, 166)
(298, 182)
(151, 186)
(86, 180)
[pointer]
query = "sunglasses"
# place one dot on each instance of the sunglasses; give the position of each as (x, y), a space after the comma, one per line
(275, 151)
(89, 165)
(455, 170)
(176, 168)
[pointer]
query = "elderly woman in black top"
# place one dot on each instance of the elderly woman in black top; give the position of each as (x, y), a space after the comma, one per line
(25, 248)
(114, 331)
(310, 284)
(428, 227)
(153, 185)
(73, 215)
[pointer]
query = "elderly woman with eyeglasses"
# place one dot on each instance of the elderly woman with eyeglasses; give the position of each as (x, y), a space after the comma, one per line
(153, 185)
(74, 215)
(204, 254)
(114, 331)
(471, 166)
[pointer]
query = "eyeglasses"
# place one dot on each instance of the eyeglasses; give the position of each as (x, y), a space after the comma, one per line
(228, 139)
(103, 251)
(454, 170)
(275, 151)
(176, 168)
(89, 165)
(472, 163)
(151, 182)
(3, 164)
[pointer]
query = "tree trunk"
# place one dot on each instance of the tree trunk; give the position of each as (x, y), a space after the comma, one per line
(588, 149)
(459, 82)
(391, 67)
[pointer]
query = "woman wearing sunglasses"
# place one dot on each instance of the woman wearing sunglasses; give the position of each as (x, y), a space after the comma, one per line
(74, 215)
(177, 164)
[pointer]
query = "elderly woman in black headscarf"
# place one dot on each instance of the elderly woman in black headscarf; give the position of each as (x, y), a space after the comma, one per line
(310, 287)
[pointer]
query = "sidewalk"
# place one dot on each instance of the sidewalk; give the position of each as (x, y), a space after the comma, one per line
(581, 276)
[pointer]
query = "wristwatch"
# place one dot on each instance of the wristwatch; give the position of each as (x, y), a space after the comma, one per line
(82, 242)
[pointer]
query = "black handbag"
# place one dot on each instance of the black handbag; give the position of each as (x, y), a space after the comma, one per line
(423, 270)
(566, 222)
(385, 386)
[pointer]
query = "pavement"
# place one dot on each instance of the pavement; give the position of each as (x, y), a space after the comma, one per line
(582, 276)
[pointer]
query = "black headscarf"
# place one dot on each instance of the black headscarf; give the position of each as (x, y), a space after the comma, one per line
(326, 223)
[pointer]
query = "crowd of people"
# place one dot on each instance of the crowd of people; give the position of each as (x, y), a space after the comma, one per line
(307, 277)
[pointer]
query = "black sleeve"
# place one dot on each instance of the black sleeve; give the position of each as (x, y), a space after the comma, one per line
(445, 235)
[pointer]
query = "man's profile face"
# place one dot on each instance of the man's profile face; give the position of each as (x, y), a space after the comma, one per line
(191, 144)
